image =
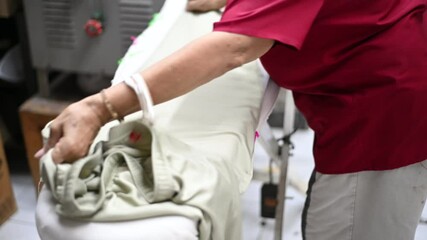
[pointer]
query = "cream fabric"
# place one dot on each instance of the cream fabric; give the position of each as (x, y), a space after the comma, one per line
(201, 151)
(227, 105)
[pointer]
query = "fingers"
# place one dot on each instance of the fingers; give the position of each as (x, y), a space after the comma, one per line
(204, 5)
(74, 144)
(198, 6)
(39, 153)
(54, 136)
(72, 133)
(68, 150)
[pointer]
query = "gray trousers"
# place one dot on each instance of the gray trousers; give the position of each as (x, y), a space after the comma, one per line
(369, 205)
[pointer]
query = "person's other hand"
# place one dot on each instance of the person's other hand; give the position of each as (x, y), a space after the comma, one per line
(72, 132)
(205, 5)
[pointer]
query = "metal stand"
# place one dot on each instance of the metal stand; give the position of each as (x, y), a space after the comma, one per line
(280, 155)
(43, 82)
(284, 154)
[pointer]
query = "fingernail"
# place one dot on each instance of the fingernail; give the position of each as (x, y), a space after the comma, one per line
(39, 153)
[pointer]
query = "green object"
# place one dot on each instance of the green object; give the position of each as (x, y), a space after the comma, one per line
(154, 19)
(127, 56)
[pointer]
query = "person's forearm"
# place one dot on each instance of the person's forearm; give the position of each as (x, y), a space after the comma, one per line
(72, 132)
(194, 65)
(200, 62)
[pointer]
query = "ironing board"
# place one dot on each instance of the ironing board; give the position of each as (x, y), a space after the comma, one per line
(205, 117)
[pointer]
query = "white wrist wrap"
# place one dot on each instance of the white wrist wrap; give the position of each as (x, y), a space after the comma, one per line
(137, 83)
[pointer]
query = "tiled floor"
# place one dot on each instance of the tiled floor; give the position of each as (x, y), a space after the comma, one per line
(22, 226)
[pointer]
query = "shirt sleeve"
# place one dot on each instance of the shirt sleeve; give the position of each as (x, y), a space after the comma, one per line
(285, 21)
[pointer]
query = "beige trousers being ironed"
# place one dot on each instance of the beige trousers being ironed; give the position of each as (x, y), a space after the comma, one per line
(369, 205)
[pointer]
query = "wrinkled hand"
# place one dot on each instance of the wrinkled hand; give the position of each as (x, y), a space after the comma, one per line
(72, 132)
(205, 5)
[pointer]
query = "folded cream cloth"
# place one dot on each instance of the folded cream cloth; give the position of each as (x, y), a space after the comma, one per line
(194, 161)
(140, 173)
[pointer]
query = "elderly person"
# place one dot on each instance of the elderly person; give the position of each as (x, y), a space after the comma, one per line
(358, 71)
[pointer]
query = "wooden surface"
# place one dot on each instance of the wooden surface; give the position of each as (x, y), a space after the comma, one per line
(7, 198)
(35, 113)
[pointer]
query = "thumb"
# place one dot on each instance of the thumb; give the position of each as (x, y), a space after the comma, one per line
(57, 154)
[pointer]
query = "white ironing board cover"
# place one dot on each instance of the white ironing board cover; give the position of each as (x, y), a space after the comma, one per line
(219, 118)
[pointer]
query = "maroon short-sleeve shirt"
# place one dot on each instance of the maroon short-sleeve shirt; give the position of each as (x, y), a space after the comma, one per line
(358, 72)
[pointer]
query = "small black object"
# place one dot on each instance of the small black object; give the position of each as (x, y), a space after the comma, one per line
(268, 200)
